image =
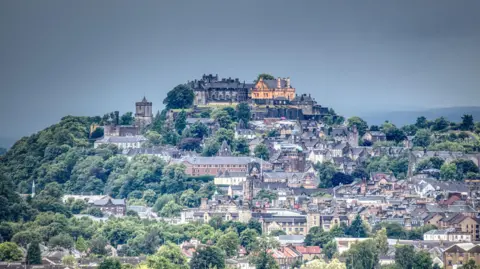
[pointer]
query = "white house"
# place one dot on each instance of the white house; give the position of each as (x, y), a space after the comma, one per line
(122, 142)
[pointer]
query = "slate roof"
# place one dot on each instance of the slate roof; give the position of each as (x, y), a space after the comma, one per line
(222, 160)
(122, 139)
(102, 202)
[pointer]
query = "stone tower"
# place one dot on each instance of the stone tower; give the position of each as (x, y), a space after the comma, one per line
(143, 113)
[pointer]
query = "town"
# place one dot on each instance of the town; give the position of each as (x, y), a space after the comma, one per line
(235, 174)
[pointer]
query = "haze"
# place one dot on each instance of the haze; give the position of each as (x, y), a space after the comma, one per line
(62, 58)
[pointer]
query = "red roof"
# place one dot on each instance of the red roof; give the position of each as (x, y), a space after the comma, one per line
(309, 250)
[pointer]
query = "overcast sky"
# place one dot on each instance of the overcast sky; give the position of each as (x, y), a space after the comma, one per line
(91, 57)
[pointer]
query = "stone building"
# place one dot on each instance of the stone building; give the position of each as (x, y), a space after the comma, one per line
(143, 113)
(269, 89)
(211, 89)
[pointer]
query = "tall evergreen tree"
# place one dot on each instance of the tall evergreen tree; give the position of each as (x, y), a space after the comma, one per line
(34, 255)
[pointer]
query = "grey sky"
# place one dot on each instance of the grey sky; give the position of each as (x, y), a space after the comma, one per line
(92, 57)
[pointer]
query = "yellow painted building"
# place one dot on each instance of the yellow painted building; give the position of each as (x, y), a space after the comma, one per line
(273, 88)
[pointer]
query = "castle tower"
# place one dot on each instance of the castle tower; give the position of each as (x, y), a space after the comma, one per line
(143, 113)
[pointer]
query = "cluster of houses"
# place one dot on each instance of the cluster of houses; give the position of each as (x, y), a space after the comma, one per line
(282, 192)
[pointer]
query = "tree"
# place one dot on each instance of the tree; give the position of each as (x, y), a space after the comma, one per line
(421, 122)
(171, 209)
(110, 263)
(277, 232)
(357, 229)
(179, 97)
(360, 173)
(440, 124)
(189, 199)
(448, 171)
(422, 260)
(62, 240)
(10, 252)
(241, 146)
(330, 249)
(97, 133)
(34, 255)
(197, 130)
(256, 225)
(262, 259)
(181, 121)
(169, 256)
(265, 76)
(325, 174)
(404, 256)
(395, 134)
(422, 138)
(362, 255)
(81, 245)
(359, 123)
(248, 239)
(261, 151)
(469, 265)
(208, 257)
(229, 242)
(223, 118)
(97, 246)
(467, 123)
(127, 119)
(70, 261)
(243, 112)
(381, 241)
(341, 178)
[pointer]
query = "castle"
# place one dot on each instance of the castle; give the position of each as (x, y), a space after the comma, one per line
(271, 98)
(143, 113)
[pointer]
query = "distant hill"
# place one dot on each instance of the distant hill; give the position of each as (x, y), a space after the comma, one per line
(401, 118)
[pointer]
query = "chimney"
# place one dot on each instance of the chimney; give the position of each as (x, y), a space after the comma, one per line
(288, 82)
(279, 83)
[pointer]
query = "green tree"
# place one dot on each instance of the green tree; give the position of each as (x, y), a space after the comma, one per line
(181, 121)
(422, 138)
(110, 263)
(169, 256)
(190, 199)
(448, 171)
(361, 125)
(162, 201)
(256, 225)
(81, 245)
(171, 209)
(277, 232)
(467, 123)
(241, 146)
(381, 241)
(265, 76)
(10, 252)
(262, 259)
(223, 118)
(197, 130)
(421, 122)
(404, 256)
(243, 112)
(248, 239)
(62, 240)
(34, 255)
(362, 255)
(261, 151)
(357, 229)
(330, 249)
(127, 119)
(440, 124)
(208, 257)
(325, 174)
(229, 242)
(97, 246)
(179, 97)
(422, 260)
(469, 265)
(70, 261)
